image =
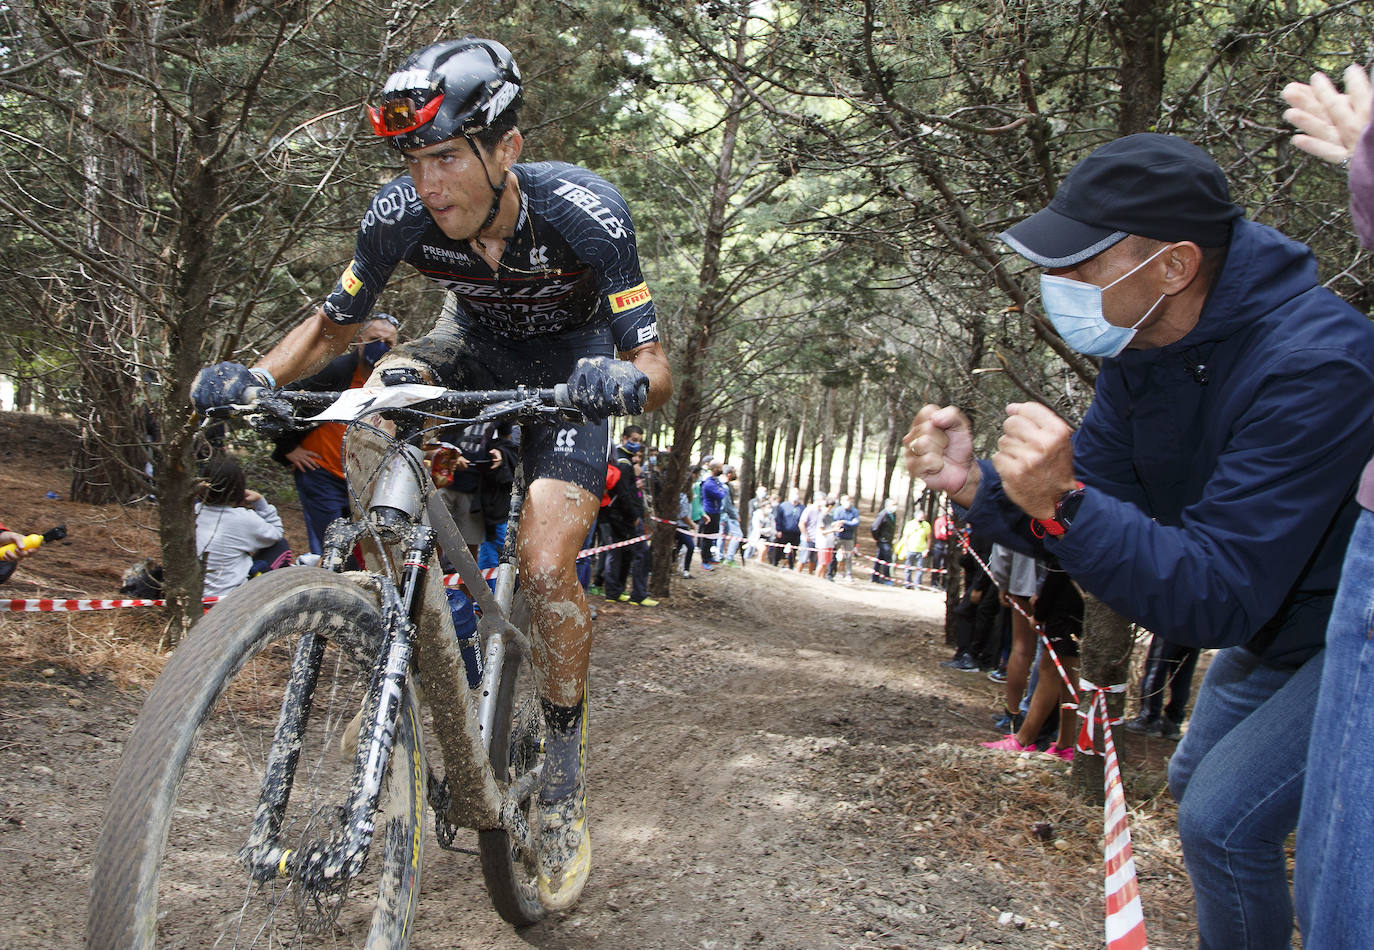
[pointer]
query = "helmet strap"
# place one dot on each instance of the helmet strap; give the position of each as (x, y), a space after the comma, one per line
(496, 190)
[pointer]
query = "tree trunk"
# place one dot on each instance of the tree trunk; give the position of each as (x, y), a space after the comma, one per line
(693, 358)
(765, 476)
(827, 440)
(789, 451)
(748, 472)
(894, 435)
(1104, 658)
(1138, 29)
(849, 441)
(859, 463)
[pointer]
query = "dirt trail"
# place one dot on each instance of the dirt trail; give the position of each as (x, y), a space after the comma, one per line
(775, 762)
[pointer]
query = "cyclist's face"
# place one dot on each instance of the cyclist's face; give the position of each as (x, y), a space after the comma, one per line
(454, 184)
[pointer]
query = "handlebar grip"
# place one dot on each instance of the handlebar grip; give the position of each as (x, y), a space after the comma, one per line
(561, 397)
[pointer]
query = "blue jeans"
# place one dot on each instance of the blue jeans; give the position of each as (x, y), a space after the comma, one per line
(324, 497)
(1332, 880)
(732, 532)
(1238, 777)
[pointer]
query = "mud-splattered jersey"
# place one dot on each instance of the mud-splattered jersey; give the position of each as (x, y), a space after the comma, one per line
(571, 263)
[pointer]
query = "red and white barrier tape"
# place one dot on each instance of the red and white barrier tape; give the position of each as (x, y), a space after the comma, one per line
(1039, 631)
(449, 580)
(453, 580)
(1125, 916)
(1125, 921)
(49, 604)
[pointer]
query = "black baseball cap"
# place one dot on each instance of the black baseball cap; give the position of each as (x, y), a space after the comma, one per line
(1156, 186)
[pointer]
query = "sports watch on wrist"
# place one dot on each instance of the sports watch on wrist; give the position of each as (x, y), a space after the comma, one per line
(1065, 510)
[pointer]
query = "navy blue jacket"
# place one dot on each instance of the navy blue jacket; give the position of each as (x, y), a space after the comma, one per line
(787, 516)
(712, 495)
(1221, 469)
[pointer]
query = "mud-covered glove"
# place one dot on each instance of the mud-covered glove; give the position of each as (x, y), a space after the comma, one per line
(273, 417)
(223, 385)
(601, 387)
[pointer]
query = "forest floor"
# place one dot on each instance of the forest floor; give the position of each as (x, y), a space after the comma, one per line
(775, 761)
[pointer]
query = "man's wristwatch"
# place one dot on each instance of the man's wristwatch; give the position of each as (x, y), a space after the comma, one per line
(1065, 510)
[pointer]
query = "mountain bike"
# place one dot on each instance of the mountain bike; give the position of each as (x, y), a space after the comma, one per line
(272, 791)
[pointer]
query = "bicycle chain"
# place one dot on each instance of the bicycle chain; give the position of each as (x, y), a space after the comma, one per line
(439, 799)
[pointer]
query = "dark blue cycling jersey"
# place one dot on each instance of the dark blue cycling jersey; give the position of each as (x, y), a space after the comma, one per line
(571, 263)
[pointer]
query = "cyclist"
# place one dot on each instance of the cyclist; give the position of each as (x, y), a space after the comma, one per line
(545, 288)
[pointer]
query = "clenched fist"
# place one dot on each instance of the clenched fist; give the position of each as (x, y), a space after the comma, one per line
(1035, 458)
(939, 451)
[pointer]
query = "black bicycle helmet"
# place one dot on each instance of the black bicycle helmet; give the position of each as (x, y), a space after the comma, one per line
(458, 87)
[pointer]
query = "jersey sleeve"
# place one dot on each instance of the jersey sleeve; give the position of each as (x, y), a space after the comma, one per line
(594, 219)
(387, 231)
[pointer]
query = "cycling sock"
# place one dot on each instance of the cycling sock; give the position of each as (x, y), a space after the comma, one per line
(565, 738)
(460, 607)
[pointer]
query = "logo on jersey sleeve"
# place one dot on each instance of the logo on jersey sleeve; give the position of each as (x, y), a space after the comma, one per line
(587, 200)
(349, 282)
(647, 334)
(629, 299)
(390, 205)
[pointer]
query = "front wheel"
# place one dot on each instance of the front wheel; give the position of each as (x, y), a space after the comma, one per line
(167, 868)
(517, 742)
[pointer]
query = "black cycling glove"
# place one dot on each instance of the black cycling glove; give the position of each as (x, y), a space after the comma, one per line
(601, 387)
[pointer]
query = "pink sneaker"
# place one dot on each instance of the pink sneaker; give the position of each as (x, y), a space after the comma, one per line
(1058, 753)
(1009, 744)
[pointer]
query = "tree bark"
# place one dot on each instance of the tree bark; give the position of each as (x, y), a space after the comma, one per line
(789, 451)
(849, 441)
(765, 476)
(692, 359)
(748, 471)
(1104, 658)
(1138, 29)
(827, 440)
(859, 462)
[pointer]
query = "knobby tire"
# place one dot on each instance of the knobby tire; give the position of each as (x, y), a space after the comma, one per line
(516, 744)
(189, 778)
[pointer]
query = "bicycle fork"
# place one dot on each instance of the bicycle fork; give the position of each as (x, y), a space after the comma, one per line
(333, 862)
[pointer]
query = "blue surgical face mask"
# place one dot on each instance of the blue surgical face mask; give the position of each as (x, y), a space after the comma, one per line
(634, 446)
(375, 350)
(1075, 309)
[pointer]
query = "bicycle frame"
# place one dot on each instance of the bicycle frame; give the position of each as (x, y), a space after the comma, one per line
(412, 520)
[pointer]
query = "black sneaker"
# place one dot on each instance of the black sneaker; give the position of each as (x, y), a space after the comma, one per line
(1145, 725)
(1168, 729)
(961, 662)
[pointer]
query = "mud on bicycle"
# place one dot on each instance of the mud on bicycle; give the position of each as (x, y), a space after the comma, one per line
(273, 789)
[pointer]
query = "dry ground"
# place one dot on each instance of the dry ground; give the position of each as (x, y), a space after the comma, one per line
(776, 762)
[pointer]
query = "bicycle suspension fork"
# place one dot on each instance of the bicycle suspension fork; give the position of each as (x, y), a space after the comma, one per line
(339, 859)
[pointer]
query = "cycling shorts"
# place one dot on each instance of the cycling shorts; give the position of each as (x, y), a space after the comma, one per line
(470, 358)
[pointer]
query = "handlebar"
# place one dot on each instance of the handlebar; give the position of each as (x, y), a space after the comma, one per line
(452, 400)
(288, 408)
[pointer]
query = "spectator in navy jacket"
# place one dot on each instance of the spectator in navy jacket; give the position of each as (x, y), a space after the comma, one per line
(1218, 465)
(787, 520)
(712, 501)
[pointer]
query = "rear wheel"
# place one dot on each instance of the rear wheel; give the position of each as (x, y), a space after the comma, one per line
(517, 743)
(167, 868)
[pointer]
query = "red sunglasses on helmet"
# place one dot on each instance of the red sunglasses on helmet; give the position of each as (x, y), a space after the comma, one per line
(400, 115)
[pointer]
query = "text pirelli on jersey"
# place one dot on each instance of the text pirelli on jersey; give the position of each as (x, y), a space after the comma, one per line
(571, 263)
